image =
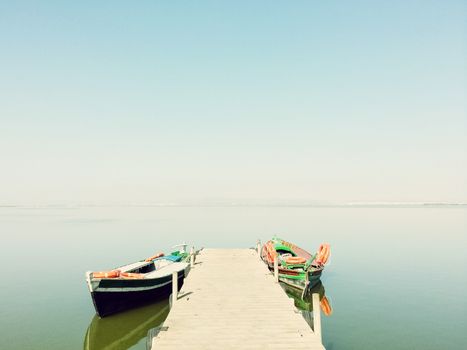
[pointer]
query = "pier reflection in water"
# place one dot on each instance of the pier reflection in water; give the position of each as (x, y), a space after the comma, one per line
(125, 330)
(304, 303)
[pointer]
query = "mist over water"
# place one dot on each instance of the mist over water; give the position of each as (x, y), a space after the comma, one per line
(396, 279)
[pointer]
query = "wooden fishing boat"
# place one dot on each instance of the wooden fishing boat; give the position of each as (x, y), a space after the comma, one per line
(136, 284)
(297, 267)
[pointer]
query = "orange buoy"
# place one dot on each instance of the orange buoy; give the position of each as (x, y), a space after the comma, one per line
(325, 306)
(106, 274)
(323, 254)
(295, 260)
(158, 255)
(270, 252)
(131, 275)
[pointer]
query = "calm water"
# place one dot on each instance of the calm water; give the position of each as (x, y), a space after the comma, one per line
(397, 278)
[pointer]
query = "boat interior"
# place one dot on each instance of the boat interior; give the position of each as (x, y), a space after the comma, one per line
(284, 252)
(149, 266)
(153, 268)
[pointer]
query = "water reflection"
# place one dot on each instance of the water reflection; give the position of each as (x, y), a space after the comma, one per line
(304, 303)
(124, 330)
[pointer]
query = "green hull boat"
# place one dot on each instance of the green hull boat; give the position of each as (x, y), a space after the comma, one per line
(297, 267)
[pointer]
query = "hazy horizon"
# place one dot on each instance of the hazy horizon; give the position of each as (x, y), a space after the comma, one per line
(117, 102)
(232, 203)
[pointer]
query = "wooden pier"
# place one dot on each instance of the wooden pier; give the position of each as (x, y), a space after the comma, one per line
(230, 300)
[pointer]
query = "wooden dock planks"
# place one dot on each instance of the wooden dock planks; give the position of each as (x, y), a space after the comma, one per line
(231, 301)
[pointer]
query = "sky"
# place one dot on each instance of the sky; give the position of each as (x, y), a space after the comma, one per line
(169, 101)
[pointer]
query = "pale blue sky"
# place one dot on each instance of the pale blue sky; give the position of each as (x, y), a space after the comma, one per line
(152, 101)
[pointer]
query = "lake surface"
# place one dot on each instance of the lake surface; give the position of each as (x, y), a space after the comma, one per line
(397, 278)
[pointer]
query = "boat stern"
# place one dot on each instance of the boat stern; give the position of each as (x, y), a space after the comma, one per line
(314, 276)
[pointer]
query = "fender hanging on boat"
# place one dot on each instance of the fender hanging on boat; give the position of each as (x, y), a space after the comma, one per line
(325, 306)
(323, 254)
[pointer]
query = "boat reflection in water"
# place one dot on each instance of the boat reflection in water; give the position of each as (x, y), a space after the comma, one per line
(304, 303)
(124, 330)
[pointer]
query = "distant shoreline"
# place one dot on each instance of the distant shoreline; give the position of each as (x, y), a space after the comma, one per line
(244, 204)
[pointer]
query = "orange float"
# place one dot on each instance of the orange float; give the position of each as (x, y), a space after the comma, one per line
(295, 260)
(158, 255)
(131, 275)
(270, 252)
(323, 254)
(325, 306)
(106, 274)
